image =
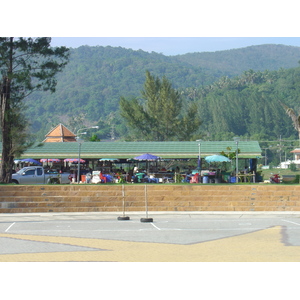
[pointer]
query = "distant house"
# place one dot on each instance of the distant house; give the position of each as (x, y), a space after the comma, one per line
(60, 134)
(296, 153)
(296, 160)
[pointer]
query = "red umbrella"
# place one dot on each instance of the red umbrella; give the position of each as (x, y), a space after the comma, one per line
(49, 160)
(74, 160)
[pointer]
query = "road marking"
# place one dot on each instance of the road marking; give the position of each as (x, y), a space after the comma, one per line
(291, 222)
(155, 226)
(10, 226)
(259, 246)
(140, 229)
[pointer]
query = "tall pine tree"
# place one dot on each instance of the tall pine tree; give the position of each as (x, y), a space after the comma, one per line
(26, 65)
(159, 116)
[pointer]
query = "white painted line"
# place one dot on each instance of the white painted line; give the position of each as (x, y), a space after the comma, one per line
(10, 226)
(155, 226)
(291, 222)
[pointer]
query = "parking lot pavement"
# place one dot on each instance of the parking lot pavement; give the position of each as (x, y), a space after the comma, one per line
(188, 236)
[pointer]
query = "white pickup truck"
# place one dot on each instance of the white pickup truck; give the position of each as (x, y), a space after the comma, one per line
(37, 175)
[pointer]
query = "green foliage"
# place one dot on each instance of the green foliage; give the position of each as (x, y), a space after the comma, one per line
(297, 179)
(189, 124)
(249, 105)
(94, 138)
(76, 122)
(293, 167)
(233, 63)
(178, 178)
(157, 116)
(294, 117)
(236, 92)
(26, 65)
(230, 154)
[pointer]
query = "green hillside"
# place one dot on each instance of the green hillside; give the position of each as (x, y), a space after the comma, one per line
(234, 62)
(90, 87)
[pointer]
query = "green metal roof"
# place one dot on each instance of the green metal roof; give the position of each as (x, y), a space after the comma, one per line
(248, 149)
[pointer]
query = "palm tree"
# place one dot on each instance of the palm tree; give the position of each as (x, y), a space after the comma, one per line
(294, 116)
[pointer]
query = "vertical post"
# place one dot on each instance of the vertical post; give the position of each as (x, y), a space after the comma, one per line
(123, 218)
(146, 201)
(236, 139)
(78, 171)
(199, 159)
(236, 164)
(265, 156)
(123, 197)
(146, 207)
(79, 146)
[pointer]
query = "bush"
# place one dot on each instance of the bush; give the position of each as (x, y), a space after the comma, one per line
(293, 167)
(178, 178)
(297, 179)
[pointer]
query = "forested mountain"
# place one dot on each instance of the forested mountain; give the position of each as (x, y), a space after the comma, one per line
(237, 91)
(234, 62)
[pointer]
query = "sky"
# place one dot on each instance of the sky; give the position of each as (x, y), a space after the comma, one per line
(163, 26)
(174, 45)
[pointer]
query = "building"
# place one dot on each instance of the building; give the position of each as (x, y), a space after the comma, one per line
(92, 152)
(296, 160)
(60, 134)
(126, 150)
(59, 143)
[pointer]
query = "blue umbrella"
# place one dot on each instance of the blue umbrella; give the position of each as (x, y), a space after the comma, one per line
(31, 160)
(147, 156)
(216, 158)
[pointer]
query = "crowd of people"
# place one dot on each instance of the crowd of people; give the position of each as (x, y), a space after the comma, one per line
(114, 173)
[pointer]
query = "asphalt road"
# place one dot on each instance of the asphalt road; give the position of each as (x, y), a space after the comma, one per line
(171, 237)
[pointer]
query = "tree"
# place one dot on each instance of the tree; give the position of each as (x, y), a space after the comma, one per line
(77, 121)
(294, 116)
(158, 115)
(189, 123)
(26, 65)
(94, 138)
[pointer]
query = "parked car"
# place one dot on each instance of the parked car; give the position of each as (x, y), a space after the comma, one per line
(37, 175)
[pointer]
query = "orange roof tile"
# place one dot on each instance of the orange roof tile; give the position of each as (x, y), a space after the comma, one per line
(297, 150)
(60, 134)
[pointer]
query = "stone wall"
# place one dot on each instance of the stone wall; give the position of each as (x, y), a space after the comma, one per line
(160, 197)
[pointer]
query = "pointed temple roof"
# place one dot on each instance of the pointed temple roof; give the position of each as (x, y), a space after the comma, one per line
(60, 134)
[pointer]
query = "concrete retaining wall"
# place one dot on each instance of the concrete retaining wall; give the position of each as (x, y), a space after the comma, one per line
(160, 197)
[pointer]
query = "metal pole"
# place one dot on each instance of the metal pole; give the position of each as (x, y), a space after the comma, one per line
(199, 175)
(265, 156)
(123, 195)
(237, 162)
(79, 147)
(78, 171)
(123, 218)
(146, 204)
(199, 158)
(236, 139)
(146, 201)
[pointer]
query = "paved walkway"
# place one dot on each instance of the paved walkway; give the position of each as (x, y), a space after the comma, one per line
(172, 237)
